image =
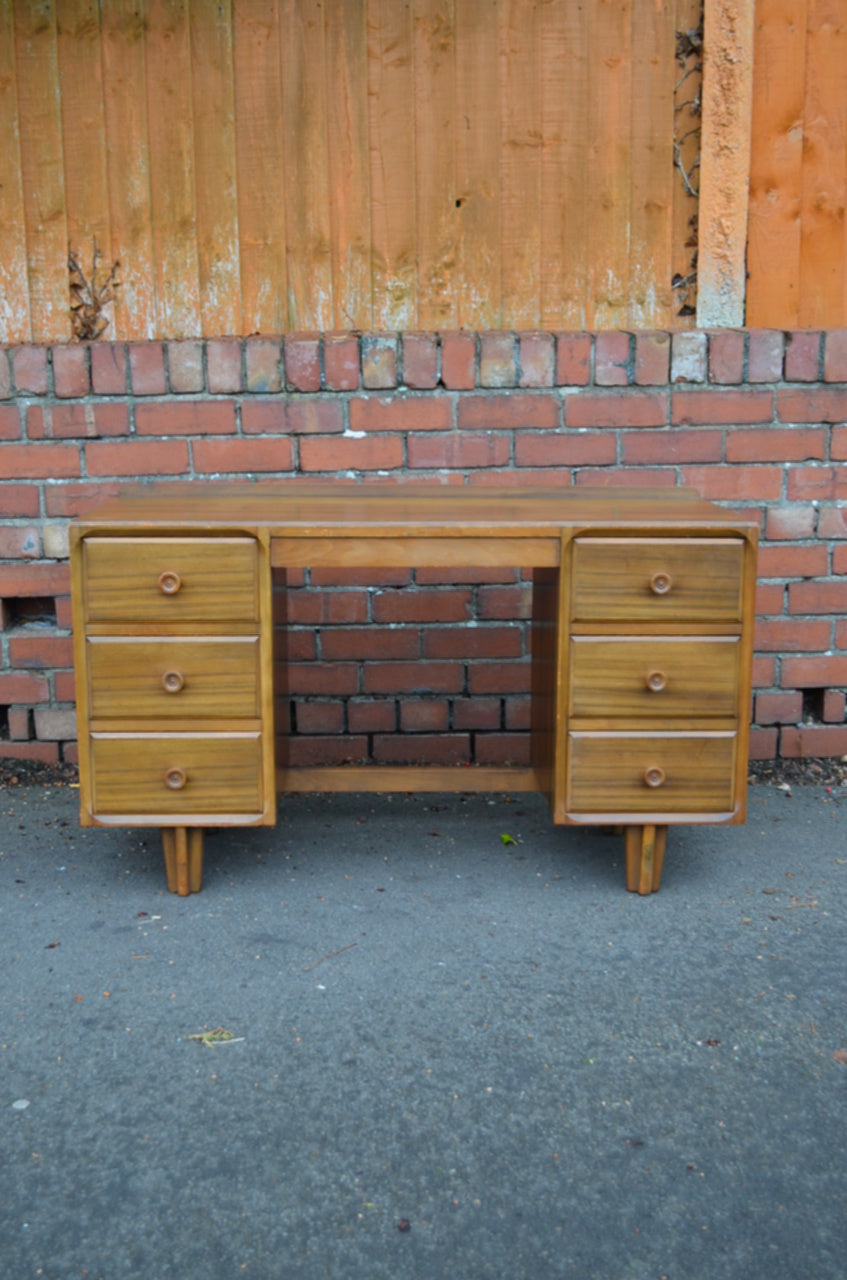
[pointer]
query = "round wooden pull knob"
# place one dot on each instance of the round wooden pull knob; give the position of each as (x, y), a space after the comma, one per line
(175, 779)
(654, 777)
(173, 681)
(656, 681)
(169, 582)
(661, 583)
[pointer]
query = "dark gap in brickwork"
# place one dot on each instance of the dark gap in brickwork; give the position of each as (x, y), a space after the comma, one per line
(4, 724)
(813, 700)
(26, 610)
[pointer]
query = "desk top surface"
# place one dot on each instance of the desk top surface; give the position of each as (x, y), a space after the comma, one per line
(291, 509)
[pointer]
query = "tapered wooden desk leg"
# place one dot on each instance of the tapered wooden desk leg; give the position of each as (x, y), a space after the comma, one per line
(183, 859)
(645, 854)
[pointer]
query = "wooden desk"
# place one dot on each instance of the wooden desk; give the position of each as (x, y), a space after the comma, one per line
(643, 607)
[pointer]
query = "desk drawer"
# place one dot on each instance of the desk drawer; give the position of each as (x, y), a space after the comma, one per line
(643, 773)
(657, 579)
(174, 678)
(171, 579)
(653, 677)
(172, 774)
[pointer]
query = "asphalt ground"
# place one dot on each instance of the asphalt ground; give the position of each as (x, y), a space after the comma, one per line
(457, 1046)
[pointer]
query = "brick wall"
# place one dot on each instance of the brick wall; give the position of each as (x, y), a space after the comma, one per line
(384, 666)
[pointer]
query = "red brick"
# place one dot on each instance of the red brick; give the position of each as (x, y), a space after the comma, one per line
(838, 445)
(5, 376)
(726, 356)
(311, 416)
(401, 413)
(778, 708)
(322, 679)
(321, 608)
(780, 444)
(818, 597)
(23, 689)
(10, 422)
(835, 356)
(718, 407)
(611, 359)
(72, 500)
(473, 449)
(70, 371)
(839, 558)
(518, 713)
(46, 752)
(504, 603)
(240, 455)
(622, 409)
(818, 404)
(573, 359)
(770, 598)
(821, 671)
(834, 706)
(18, 500)
(536, 360)
(472, 642)
(263, 364)
(763, 744)
(413, 677)
(39, 461)
(35, 652)
(367, 716)
(185, 367)
(525, 478)
(477, 713)
(19, 724)
(303, 361)
(147, 368)
(672, 445)
(652, 359)
(802, 356)
(812, 740)
(498, 677)
(137, 458)
(63, 614)
(30, 370)
(326, 577)
(822, 484)
(424, 715)
(45, 579)
(463, 576)
(764, 355)
(223, 366)
(374, 643)
(108, 369)
(736, 483)
(458, 361)
(17, 542)
(832, 522)
(341, 361)
(789, 522)
(185, 417)
(320, 717)
(444, 749)
(689, 354)
(379, 361)
(429, 604)
(497, 359)
(502, 749)
(764, 671)
(634, 477)
(523, 410)
(304, 752)
(791, 635)
(341, 453)
(420, 360)
(87, 421)
(565, 449)
(782, 561)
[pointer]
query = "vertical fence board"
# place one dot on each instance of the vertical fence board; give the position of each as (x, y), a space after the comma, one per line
(435, 170)
(42, 167)
(822, 250)
(307, 221)
(392, 163)
(130, 212)
(169, 108)
(610, 56)
(14, 285)
(776, 170)
(262, 190)
(520, 164)
(349, 163)
(213, 106)
(652, 169)
(477, 133)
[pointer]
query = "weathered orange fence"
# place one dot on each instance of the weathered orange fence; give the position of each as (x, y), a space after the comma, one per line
(272, 165)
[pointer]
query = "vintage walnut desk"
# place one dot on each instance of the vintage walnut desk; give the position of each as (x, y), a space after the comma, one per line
(641, 651)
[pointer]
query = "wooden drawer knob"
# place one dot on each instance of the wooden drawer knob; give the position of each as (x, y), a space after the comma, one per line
(656, 681)
(173, 681)
(661, 583)
(169, 582)
(175, 779)
(654, 776)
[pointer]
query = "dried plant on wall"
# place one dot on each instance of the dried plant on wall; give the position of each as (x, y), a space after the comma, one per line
(90, 297)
